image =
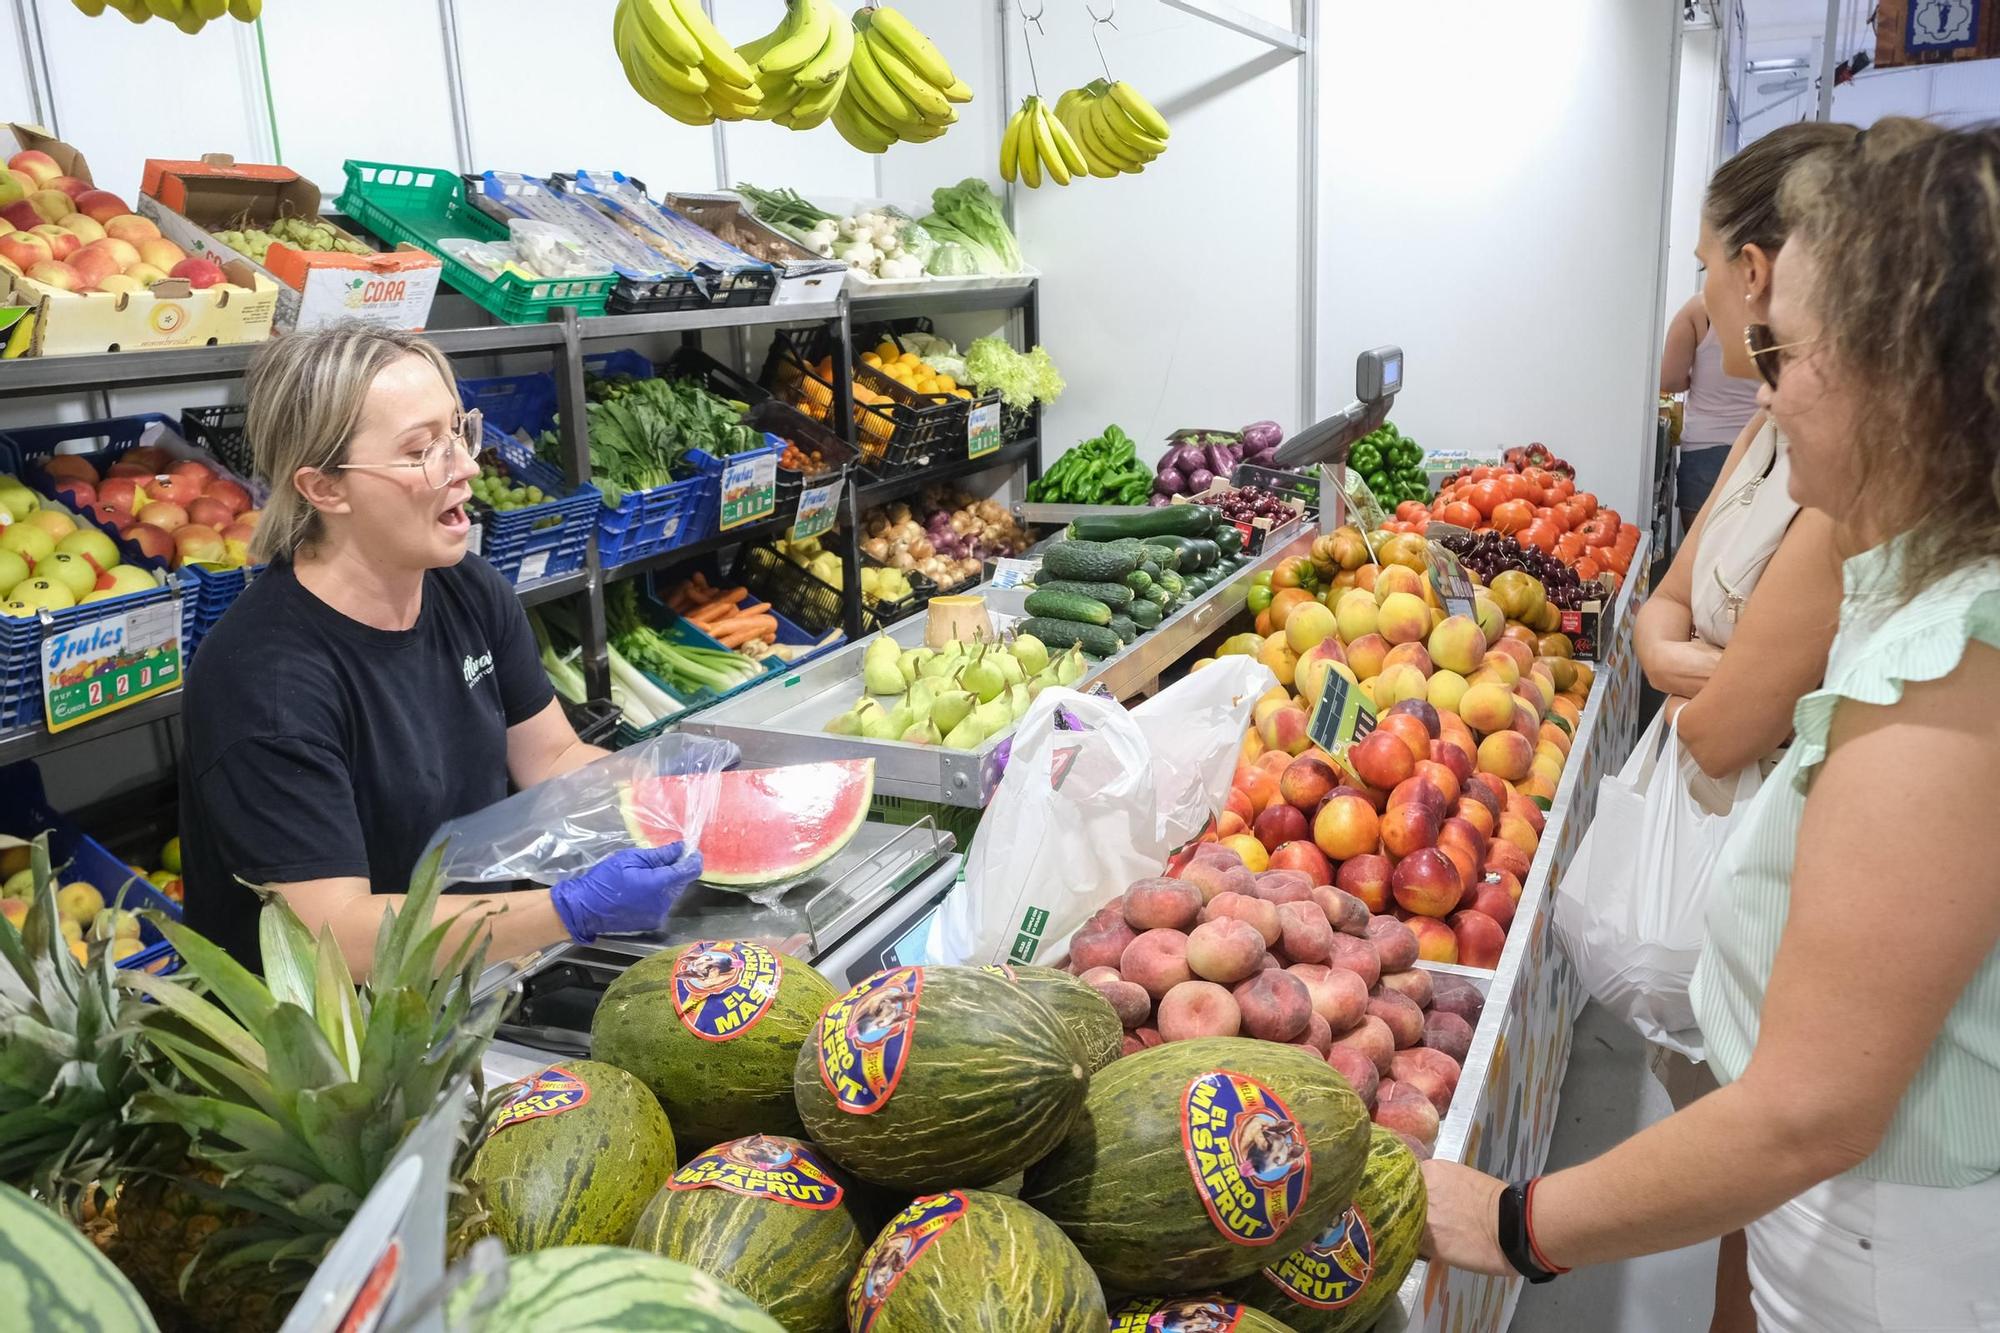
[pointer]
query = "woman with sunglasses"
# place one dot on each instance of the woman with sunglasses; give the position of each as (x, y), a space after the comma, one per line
(1849, 992)
(375, 680)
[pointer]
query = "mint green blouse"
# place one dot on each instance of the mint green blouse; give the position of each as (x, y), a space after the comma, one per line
(1947, 1129)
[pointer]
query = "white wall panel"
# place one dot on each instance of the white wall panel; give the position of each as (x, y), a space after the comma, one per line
(1493, 201)
(15, 103)
(1696, 133)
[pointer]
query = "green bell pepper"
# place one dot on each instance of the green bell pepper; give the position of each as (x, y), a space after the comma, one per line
(1365, 458)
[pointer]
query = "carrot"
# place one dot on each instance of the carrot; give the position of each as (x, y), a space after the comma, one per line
(712, 611)
(740, 637)
(741, 628)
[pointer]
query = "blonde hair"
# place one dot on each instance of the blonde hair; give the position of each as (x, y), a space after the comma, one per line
(307, 392)
(1905, 226)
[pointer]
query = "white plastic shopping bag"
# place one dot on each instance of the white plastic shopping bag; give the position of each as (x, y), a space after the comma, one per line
(1632, 908)
(1094, 797)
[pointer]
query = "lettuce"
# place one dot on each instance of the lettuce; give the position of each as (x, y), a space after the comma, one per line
(972, 210)
(1022, 379)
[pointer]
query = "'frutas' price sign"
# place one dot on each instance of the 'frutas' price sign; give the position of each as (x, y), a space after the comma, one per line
(1448, 577)
(1341, 717)
(103, 665)
(818, 506)
(749, 490)
(983, 431)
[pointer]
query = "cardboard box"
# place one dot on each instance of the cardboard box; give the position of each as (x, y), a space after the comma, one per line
(191, 201)
(25, 137)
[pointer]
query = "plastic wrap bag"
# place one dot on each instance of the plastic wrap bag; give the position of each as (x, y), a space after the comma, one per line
(1093, 798)
(555, 252)
(651, 794)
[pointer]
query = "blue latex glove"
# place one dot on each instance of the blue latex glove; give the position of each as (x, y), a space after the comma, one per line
(627, 893)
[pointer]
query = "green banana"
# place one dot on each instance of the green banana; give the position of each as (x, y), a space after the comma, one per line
(915, 49)
(92, 8)
(246, 11)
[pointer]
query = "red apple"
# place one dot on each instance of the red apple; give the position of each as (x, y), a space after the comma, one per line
(22, 215)
(154, 542)
(36, 165)
(229, 494)
(55, 273)
(183, 488)
(210, 513)
(101, 205)
(78, 495)
(165, 515)
(122, 493)
(199, 273)
(57, 466)
(23, 249)
(62, 244)
(195, 543)
(73, 186)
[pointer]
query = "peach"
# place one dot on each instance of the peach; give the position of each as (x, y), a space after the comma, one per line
(1344, 911)
(1358, 955)
(1157, 960)
(1346, 827)
(1500, 667)
(1260, 915)
(1547, 766)
(1394, 943)
(1418, 790)
(1303, 858)
(161, 253)
(1307, 626)
(1372, 1038)
(1308, 935)
(24, 249)
(1276, 1005)
(1505, 856)
(1453, 728)
(1475, 812)
(1423, 711)
(1435, 941)
(1395, 579)
(1408, 828)
(1159, 903)
(1355, 616)
(1506, 755)
(1327, 658)
(1526, 724)
(130, 227)
(1367, 655)
(1465, 863)
(1128, 999)
(1355, 1065)
(1283, 886)
(1445, 690)
(1338, 995)
(1409, 1113)
(1551, 733)
(1409, 655)
(1407, 728)
(1480, 938)
(1427, 882)
(1402, 1014)
(1255, 858)
(62, 244)
(1278, 655)
(1198, 1009)
(1308, 780)
(1259, 786)
(1524, 809)
(1228, 824)
(1448, 1033)
(1238, 803)
(1456, 995)
(1285, 730)
(51, 205)
(1148, 1035)
(1318, 1035)
(1413, 982)
(1448, 754)
(1403, 618)
(1516, 647)
(1432, 1072)
(1367, 878)
(1277, 824)
(1516, 830)
(1458, 644)
(35, 164)
(1382, 760)
(1495, 790)
(1440, 775)
(1462, 832)
(1100, 942)
(55, 273)
(1487, 707)
(1214, 876)
(1530, 692)
(1399, 681)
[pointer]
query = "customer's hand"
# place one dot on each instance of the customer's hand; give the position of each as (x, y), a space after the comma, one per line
(627, 893)
(1462, 1219)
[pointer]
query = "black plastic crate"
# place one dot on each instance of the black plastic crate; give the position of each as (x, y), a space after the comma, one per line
(220, 431)
(595, 721)
(899, 431)
(791, 590)
(782, 419)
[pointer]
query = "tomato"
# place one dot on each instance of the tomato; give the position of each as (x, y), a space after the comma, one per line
(1520, 488)
(1561, 488)
(1586, 502)
(1487, 495)
(1413, 511)
(1568, 547)
(1541, 535)
(1484, 473)
(1611, 516)
(1586, 569)
(1541, 477)
(1460, 513)
(1597, 532)
(1618, 561)
(1513, 515)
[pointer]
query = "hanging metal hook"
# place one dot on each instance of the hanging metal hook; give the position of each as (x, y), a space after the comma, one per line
(1101, 21)
(1034, 75)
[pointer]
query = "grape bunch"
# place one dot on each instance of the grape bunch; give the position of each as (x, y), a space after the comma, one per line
(298, 233)
(498, 492)
(1489, 553)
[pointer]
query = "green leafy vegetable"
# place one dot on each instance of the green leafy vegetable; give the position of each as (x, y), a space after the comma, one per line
(1022, 379)
(968, 214)
(641, 429)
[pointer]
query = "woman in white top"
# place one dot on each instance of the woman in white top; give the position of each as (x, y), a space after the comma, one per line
(1719, 404)
(1849, 992)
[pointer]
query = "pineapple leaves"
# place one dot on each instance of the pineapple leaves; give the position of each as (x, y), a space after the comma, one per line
(335, 1121)
(418, 906)
(234, 985)
(249, 1130)
(286, 947)
(338, 1008)
(209, 1020)
(301, 1059)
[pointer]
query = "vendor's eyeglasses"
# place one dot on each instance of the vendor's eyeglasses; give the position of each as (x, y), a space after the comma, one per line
(1764, 348)
(440, 456)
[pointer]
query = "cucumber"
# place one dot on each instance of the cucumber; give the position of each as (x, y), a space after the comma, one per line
(1229, 538)
(1125, 628)
(1149, 566)
(1187, 552)
(1166, 520)
(1139, 581)
(1209, 553)
(1057, 605)
(1144, 614)
(1089, 562)
(1172, 582)
(1113, 595)
(1097, 641)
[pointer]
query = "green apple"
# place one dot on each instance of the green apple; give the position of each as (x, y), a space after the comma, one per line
(93, 546)
(72, 571)
(44, 594)
(18, 500)
(13, 570)
(130, 578)
(28, 542)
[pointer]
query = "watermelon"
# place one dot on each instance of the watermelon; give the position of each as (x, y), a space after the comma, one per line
(1081, 1008)
(53, 1278)
(713, 1028)
(768, 824)
(572, 1157)
(923, 1078)
(1348, 1274)
(1192, 1160)
(606, 1289)
(1209, 1312)
(770, 1217)
(966, 1259)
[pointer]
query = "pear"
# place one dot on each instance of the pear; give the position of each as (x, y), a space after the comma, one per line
(911, 660)
(880, 673)
(849, 723)
(901, 717)
(983, 678)
(876, 724)
(1031, 653)
(923, 733)
(939, 665)
(1072, 667)
(921, 698)
(967, 735)
(1045, 677)
(993, 717)
(1010, 667)
(1018, 699)
(951, 708)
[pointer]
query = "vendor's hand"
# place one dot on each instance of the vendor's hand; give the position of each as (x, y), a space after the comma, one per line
(627, 893)
(1462, 1221)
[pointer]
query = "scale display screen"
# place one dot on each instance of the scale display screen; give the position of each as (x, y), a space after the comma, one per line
(1378, 374)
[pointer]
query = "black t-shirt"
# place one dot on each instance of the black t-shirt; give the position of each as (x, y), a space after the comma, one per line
(319, 747)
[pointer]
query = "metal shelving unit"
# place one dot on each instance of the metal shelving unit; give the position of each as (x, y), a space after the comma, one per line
(562, 339)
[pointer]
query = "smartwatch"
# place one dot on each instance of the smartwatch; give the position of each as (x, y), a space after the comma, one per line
(1514, 1240)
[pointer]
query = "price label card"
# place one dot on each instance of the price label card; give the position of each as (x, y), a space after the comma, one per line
(1363, 509)
(749, 490)
(1448, 577)
(1011, 573)
(1451, 460)
(983, 431)
(534, 565)
(475, 537)
(1341, 717)
(818, 507)
(104, 665)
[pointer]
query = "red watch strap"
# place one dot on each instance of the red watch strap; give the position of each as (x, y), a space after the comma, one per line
(1528, 1225)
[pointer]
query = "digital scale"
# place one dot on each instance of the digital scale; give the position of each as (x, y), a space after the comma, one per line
(873, 905)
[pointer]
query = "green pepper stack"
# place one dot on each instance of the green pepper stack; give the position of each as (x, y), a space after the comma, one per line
(1392, 464)
(1102, 471)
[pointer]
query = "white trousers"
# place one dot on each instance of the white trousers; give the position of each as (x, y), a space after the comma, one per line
(1858, 1256)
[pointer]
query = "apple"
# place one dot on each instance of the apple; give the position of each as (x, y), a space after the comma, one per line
(31, 544)
(44, 594)
(72, 571)
(96, 267)
(100, 206)
(13, 570)
(6, 226)
(14, 188)
(122, 493)
(145, 274)
(164, 514)
(229, 494)
(55, 273)
(150, 457)
(62, 244)
(35, 163)
(91, 545)
(236, 539)
(202, 472)
(209, 512)
(23, 215)
(53, 205)
(17, 500)
(183, 488)
(131, 227)
(73, 186)
(115, 517)
(248, 518)
(198, 545)
(121, 252)
(200, 274)
(52, 521)
(130, 467)
(25, 249)
(156, 543)
(161, 253)
(84, 229)
(130, 578)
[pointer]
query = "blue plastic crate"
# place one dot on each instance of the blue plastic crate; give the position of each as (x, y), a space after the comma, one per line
(21, 648)
(75, 855)
(522, 544)
(708, 521)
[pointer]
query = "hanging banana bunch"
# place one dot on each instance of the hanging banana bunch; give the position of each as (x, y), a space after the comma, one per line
(674, 58)
(802, 65)
(1036, 142)
(899, 85)
(1113, 126)
(190, 16)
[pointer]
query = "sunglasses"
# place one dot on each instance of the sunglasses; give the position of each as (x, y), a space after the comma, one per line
(1764, 348)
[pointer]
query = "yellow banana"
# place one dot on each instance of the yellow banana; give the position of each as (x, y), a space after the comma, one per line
(1100, 166)
(21, 338)
(1046, 150)
(92, 8)
(1109, 149)
(1120, 126)
(923, 132)
(852, 123)
(688, 108)
(928, 101)
(957, 91)
(809, 21)
(170, 10)
(882, 98)
(811, 110)
(733, 103)
(662, 25)
(718, 57)
(1072, 156)
(246, 11)
(833, 57)
(1139, 109)
(210, 10)
(917, 51)
(190, 22)
(1031, 166)
(135, 10)
(1010, 150)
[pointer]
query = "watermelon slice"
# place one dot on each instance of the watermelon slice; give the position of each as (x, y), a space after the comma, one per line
(769, 824)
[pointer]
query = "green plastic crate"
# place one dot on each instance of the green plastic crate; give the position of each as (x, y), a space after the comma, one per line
(422, 206)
